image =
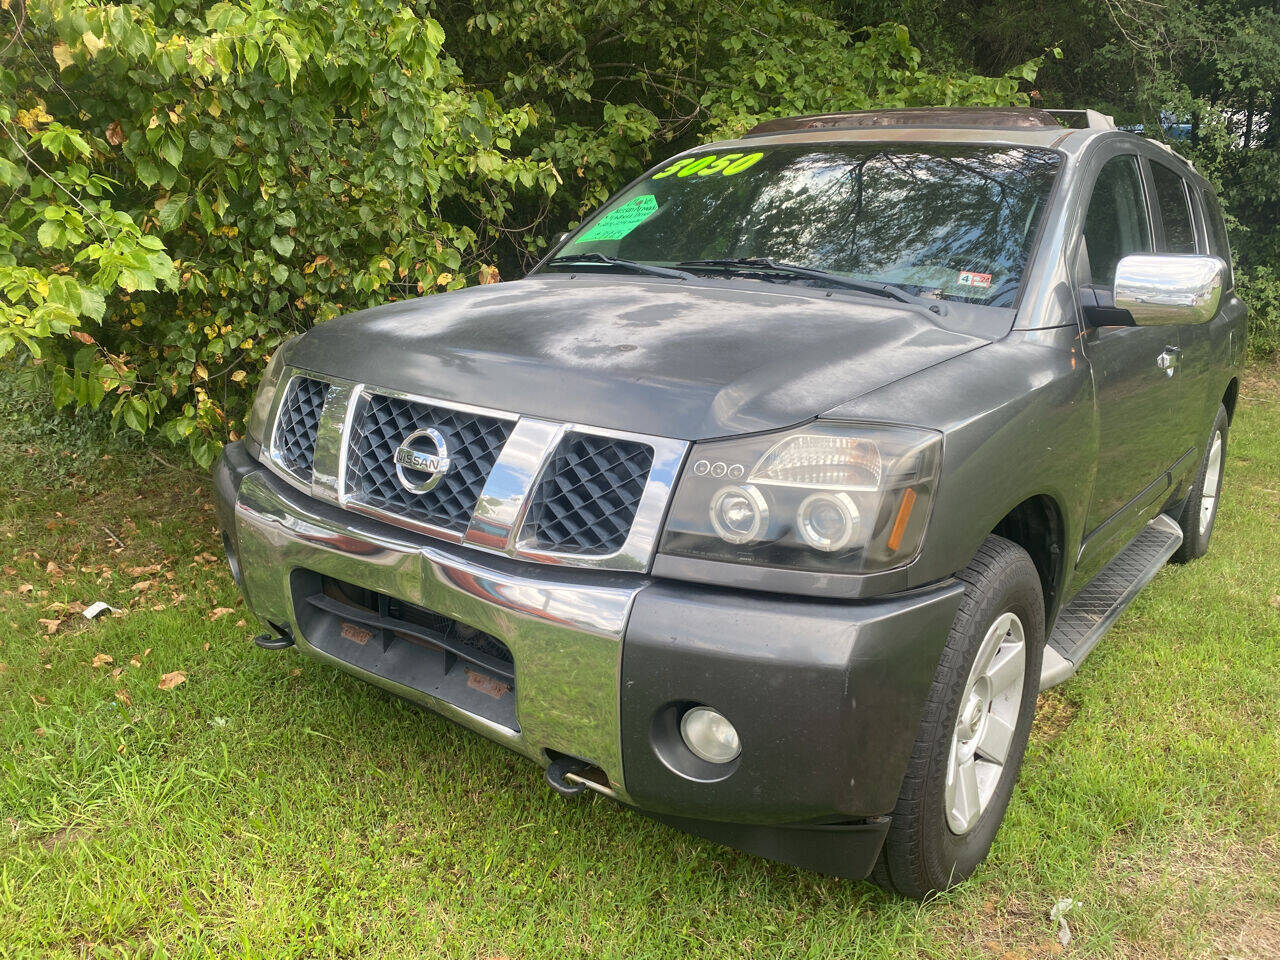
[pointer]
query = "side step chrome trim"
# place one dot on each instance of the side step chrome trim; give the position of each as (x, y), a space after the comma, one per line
(1091, 612)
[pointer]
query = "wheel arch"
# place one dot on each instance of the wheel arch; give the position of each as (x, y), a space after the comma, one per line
(1229, 398)
(1036, 524)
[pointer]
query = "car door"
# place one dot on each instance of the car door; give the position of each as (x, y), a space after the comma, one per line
(1139, 437)
(1178, 232)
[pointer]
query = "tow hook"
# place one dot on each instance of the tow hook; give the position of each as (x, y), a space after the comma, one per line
(567, 765)
(278, 640)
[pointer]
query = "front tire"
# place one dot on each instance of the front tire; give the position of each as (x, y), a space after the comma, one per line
(975, 728)
(1201, 509)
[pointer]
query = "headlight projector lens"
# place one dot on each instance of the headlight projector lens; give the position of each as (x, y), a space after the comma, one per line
(739, 514)
(710, 735)
(828, 521)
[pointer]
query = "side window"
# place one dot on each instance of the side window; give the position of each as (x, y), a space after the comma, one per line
(1116, 223)
(1217, 230)
(1175, 213)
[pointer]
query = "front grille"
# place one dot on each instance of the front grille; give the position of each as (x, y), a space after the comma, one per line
(296, 426)
(382, 423)
(589, 495)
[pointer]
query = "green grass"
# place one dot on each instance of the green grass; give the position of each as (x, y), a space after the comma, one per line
(271, 806)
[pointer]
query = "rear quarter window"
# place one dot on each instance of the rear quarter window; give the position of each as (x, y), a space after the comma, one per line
(1217, 229)
(1175, 210)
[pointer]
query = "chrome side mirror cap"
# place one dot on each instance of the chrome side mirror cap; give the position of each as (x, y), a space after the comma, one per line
(1163, 288)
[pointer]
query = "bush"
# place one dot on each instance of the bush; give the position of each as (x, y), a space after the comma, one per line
(1260, 289)
(193, 183)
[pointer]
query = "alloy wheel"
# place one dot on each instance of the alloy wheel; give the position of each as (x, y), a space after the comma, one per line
(1212, 477)
(985, 723)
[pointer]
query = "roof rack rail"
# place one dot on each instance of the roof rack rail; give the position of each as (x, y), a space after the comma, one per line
(1083, 119)
(973, 118)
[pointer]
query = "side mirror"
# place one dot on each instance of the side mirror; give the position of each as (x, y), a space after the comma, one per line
(1163, 288)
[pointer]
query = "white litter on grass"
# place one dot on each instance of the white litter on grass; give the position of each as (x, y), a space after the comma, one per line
(97, 609)
(1058, 915)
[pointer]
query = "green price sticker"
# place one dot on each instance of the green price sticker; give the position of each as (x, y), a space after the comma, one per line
(726, 165)
(616, 224)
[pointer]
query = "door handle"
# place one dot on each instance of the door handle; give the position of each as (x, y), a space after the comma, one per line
(1168, 359)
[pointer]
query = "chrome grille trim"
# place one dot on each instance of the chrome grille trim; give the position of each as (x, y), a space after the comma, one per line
(292, 447)
(499, 523)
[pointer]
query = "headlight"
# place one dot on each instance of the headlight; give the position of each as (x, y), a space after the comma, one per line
(257, 426)
(829, 497)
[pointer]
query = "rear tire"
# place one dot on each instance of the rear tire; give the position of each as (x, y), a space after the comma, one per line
(1200, 512)
(980, 707)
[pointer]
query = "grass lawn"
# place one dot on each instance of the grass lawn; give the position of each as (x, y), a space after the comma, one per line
(269, 806)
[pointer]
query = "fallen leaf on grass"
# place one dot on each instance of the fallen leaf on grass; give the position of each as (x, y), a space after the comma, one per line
(206, 644)
(25, 588)
(1274, 601)
(116, 672)
(135, 662)
(171, 680)
(143, 571)
(123, 697)
(220, 612)
(102, 659)
(52, 569)
(51, 626)
(141, 586)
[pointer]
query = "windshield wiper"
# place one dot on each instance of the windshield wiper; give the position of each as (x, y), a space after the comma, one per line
(764, 263)
(636, 265)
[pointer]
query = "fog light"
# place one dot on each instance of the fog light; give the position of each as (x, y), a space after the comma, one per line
(739, 514)
(828, 521)
(710, 735)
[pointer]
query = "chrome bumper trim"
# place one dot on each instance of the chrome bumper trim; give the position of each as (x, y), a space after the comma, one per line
(565, 634)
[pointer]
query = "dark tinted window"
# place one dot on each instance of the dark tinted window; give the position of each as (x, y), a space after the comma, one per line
(946, 221)
(1175, 213)
(1217, 230)
(1116, 223)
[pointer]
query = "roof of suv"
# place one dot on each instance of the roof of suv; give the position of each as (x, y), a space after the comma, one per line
(1067, 130)
(962, 118)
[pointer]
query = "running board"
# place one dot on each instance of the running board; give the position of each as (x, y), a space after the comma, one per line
(1094, 609)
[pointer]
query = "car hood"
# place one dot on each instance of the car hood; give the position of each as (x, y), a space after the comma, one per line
(689, 360)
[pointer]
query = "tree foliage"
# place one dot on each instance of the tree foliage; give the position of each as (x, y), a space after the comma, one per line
(189, 183)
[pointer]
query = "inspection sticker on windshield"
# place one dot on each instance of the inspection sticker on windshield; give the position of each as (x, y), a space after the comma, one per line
(616, 224)
(968, 278)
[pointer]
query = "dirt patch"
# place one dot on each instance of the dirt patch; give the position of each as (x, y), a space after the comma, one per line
(1054, 712)
(63, 837)
(1222, 891)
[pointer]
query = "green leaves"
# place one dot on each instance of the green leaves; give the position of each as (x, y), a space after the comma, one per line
(207, 180)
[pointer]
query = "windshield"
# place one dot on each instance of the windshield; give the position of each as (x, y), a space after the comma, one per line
(952, 222)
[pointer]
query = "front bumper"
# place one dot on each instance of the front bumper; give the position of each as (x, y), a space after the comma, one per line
(826, 696)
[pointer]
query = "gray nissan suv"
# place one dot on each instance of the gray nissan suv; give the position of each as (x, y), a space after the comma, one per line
(770, 499)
